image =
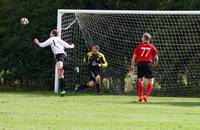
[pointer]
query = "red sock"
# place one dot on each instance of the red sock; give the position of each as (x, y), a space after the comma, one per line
(140, 88)
(149, 88)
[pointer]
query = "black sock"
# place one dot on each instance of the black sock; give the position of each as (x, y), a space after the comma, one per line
(98, 85)
(61, 84)
(84, 86)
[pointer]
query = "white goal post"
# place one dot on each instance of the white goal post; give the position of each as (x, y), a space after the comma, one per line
(177, 21)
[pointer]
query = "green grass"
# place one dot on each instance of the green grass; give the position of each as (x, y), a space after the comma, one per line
(46, 111)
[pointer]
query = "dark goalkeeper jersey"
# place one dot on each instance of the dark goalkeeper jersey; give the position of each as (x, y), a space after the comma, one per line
(95, 59)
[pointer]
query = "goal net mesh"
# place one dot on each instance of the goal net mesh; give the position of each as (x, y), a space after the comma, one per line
(176, 37)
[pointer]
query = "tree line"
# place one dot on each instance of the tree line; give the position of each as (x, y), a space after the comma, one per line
(24, 66)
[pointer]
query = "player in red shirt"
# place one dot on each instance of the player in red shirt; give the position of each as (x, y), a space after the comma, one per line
(145, 56)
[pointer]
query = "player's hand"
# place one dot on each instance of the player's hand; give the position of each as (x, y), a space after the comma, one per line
(36, 41)
(85, 63)
(155, 65)
(132, 67)
(72, 45)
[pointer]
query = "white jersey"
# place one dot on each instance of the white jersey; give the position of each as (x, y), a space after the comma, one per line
(57, 45)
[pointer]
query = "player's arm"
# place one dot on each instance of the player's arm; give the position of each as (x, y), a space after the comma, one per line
(155, 60)
(86, 58)
(133, 59)
(104, 63)
(67, 45)
(155, 56)
(43, 44)
(133, 62)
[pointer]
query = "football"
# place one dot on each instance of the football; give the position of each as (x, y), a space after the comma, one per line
(24, 21)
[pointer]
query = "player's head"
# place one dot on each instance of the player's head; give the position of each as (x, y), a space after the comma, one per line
(95, 49)
(146, 37)
(54, 33)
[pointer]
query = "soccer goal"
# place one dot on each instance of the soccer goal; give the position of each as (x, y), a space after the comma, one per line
(176, 34)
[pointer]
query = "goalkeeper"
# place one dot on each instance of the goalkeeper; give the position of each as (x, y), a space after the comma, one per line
(96, 62)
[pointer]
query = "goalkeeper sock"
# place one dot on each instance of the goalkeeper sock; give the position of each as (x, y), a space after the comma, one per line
(140, 88)
(61, 84)
(98, 85)
(83, 87)
(149, 88)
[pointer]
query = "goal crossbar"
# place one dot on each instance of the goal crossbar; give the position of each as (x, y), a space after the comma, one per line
(127, 11)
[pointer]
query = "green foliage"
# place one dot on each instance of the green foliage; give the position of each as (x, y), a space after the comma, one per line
(24, 64)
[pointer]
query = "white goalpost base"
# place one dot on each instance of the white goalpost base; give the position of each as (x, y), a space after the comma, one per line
(56, 81)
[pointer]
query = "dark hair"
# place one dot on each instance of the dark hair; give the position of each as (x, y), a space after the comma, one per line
(54, 32)
(95, 45)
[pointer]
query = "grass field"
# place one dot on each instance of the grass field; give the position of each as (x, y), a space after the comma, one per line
(46, 111)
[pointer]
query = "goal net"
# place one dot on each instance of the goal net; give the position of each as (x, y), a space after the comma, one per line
(175, 34)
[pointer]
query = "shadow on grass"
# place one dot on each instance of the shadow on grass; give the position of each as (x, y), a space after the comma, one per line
(182, 104)
(48, 94)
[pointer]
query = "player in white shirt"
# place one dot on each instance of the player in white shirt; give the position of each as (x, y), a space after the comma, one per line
(57, 46)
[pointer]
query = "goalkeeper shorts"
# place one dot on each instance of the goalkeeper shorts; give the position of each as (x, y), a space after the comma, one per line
(94, 73)
(145, 69)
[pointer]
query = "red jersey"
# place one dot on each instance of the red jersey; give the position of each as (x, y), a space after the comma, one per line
(145, 52)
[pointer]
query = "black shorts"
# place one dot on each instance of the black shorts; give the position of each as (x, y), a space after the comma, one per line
(94, 73)
(60, 57)
(145, 69)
